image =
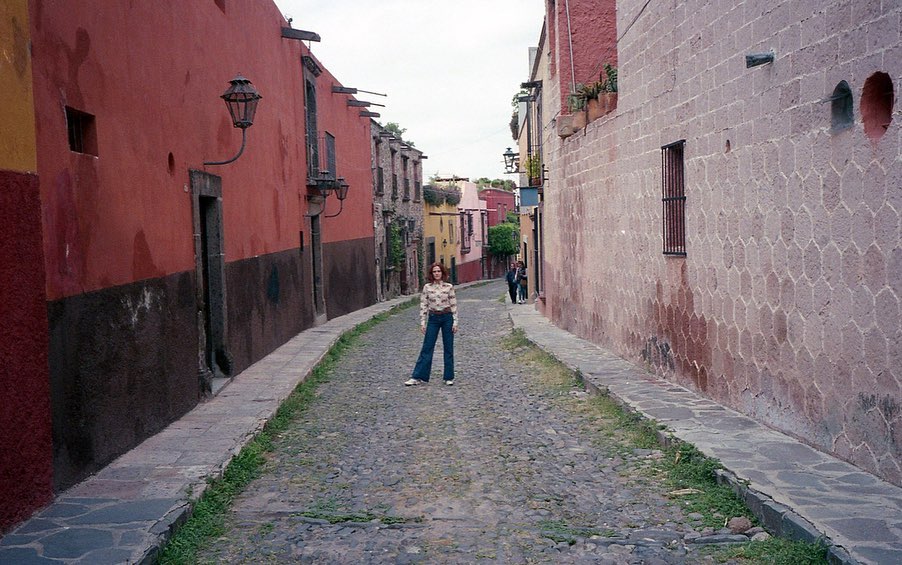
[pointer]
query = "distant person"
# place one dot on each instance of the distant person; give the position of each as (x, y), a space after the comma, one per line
(513, 282)
(522, 282)
(438, 312)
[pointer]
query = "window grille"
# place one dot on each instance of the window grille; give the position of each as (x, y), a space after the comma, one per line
(330, 155)
(674, 198)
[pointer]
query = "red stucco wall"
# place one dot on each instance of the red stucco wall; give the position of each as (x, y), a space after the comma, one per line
(153, 86)
(353, 158)
(587, 29)
(469, 271)
(494, 200)
(25, 468)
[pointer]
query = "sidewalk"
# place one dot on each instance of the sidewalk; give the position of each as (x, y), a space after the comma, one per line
(125, 512)
(795, 491)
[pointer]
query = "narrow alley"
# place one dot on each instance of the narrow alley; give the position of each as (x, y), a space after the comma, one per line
(497, 468)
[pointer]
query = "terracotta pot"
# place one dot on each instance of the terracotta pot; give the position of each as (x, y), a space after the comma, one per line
(594, 109)
(579, 119)
(609, 101)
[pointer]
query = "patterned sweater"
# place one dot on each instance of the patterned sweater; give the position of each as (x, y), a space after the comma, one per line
(437, 296)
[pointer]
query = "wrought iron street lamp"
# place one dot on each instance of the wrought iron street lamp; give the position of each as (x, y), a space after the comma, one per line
(241, 99)
(511, 161)
(341, 192)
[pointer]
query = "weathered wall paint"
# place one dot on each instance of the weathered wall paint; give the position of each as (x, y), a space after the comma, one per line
(151, 100)
(268, 303)
(787, 306)
(25, 429)
(342, 261)
(122, 365)
(25, 467)
(17, 143)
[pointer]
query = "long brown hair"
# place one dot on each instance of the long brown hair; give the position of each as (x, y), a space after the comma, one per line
(430, 278)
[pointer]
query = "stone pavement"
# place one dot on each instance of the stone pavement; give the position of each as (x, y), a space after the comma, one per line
(506, 466)
(796, 491)
(125, 512)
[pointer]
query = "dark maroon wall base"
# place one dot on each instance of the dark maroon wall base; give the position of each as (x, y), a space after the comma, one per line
(123, 365)
(269, 302)
(350, 280)
(25, 452)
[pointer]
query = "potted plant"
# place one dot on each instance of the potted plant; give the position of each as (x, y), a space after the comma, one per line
(533, 167)
(608, 88)
(576, 103)
(591, 92)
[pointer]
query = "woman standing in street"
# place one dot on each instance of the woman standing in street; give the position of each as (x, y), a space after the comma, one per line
(438, 312)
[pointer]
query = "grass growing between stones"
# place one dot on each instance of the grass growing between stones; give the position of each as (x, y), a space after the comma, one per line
(559, 531)
(774, 551)
(683, 470)
(207, 519)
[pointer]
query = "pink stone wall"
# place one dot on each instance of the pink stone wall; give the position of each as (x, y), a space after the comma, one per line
(787, 305)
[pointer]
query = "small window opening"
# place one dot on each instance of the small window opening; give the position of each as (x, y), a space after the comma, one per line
(674, 198)
(82, 132)
(170, 163)
(877, 99)
(842, 117)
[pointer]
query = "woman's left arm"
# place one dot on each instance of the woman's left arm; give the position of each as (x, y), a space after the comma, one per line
(452, 299)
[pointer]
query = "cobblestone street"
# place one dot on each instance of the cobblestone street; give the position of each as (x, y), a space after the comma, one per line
(492, 469)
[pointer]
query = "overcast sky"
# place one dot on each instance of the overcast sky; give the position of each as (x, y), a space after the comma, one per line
(449, 68)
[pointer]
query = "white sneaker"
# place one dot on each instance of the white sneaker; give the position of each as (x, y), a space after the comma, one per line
(450, 383)
(414, 382)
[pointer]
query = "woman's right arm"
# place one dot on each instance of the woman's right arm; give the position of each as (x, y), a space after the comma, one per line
(423, 308)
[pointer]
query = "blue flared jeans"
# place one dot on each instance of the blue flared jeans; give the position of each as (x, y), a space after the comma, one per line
(434, 324)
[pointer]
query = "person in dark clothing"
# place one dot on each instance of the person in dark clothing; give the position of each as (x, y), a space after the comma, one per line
(513, 282)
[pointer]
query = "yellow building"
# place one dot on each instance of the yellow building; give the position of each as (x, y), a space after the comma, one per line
(440, 229)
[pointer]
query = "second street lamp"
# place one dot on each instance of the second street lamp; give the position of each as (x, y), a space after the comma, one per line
(511, 163)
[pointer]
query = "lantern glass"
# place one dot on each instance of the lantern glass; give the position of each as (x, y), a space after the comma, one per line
(241, 98)
(510, 161)
(342, 191)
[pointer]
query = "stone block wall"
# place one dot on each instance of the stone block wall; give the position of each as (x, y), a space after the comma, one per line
(787, 304)
(404, 208)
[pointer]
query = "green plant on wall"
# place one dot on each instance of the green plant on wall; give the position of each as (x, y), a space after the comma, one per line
(433, 196)
(533, 166)
(452, 195)
(395, 246)
(609, 83)
(576, 101)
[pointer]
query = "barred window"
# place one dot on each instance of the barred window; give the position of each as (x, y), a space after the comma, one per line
(674, 198)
